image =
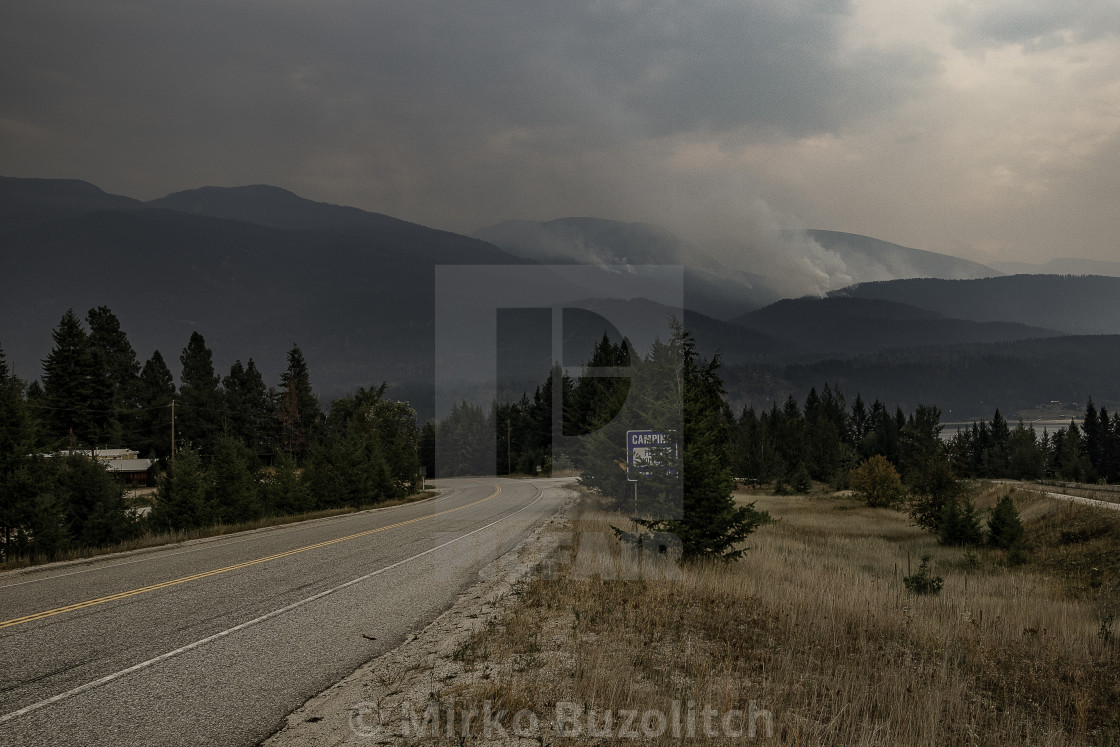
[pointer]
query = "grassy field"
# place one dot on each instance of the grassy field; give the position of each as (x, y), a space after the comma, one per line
(813, 638)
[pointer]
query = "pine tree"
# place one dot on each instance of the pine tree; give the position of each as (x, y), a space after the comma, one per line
(1005, 528)
(299, 407)
(200, 405)
(17, 440)
(233, 490)
(95, 513)
(155, 393)
(68, 385)
(712, 525)
(285, 491)
(250, 407)
(115, 378)
(183, 499)
(959, 523)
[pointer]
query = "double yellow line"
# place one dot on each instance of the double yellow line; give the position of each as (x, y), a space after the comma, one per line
(218, 571)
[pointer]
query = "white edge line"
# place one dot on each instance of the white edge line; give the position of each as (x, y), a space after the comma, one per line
(255, 621)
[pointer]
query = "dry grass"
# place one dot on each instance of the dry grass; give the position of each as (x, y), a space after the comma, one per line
(815, 627)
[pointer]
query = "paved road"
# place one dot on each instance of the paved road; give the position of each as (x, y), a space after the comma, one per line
(1041, 489)
(213, 643)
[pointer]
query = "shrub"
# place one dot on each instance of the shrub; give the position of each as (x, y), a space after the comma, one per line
(959, 523)
(923, 582)
(800, 479)
(1005, 528)
(877, 481)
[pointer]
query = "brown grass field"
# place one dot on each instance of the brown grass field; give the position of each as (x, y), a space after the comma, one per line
(814, 635)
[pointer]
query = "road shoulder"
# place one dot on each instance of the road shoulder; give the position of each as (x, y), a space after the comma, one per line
(347, 713)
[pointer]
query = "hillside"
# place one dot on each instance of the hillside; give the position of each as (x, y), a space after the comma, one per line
(30, 202)
(358, 300)
(966, 381)
(1074, 304)
(711, 288)
(868, 259)
(842, 326)
(1061, 266)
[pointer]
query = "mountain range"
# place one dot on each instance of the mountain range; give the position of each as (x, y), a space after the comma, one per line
(257, 269)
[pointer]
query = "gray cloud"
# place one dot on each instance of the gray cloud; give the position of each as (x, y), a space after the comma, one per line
(826, 113)
(411, 102)
(1035, 24)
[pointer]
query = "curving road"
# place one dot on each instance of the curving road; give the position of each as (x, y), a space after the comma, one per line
(214, 642)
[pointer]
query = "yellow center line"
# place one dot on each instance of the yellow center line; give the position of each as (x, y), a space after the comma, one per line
(227, 569)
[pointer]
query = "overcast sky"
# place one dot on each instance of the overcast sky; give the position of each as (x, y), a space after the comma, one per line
(988, 129)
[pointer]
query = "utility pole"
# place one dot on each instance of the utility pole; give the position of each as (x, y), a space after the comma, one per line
(509, 430)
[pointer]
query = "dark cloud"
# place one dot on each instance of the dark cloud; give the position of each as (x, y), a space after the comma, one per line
(446, 112)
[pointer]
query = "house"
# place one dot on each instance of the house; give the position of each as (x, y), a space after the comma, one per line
(125, 464)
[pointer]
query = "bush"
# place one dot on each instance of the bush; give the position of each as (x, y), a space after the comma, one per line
(800, 479)
(1005, 528)
(959, 523)
(877, 481)
(923, 582)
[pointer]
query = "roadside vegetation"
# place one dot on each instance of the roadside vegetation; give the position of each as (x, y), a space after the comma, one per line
(815, 626)
(155, 538)
(244, 454)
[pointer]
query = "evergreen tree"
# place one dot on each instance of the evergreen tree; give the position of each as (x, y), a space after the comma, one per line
(428, 448)
(250, 408)
(155, 393)
(94, 510)
(232, 488)
(1005, 528)
(859, 420)
(1024, 457)
(299, 407)
(115, 375)
(1095, 443)
(464, 442)
(595, 399)
(712, 525)
(285, 491)
(68, 386)
(17, 440)
(200, 406)
(183, 499)
(959, 523)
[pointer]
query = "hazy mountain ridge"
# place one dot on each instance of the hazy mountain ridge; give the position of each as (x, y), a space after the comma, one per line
(719, 287)
(30, 202)
(1061, 266)
(966, 381)
(844, 326)
(1072, 304)
(868, 259)
(711, 287)
(258, 269)
(360, 305)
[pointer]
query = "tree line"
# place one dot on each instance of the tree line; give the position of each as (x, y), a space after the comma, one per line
(242, 450)
(685, 493)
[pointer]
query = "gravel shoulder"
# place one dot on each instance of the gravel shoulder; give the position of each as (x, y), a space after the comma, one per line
(366, 707)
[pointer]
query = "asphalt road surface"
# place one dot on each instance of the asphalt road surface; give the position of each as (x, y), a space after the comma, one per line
(214, 642)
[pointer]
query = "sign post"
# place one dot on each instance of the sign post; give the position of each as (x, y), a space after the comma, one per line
(638, 447)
